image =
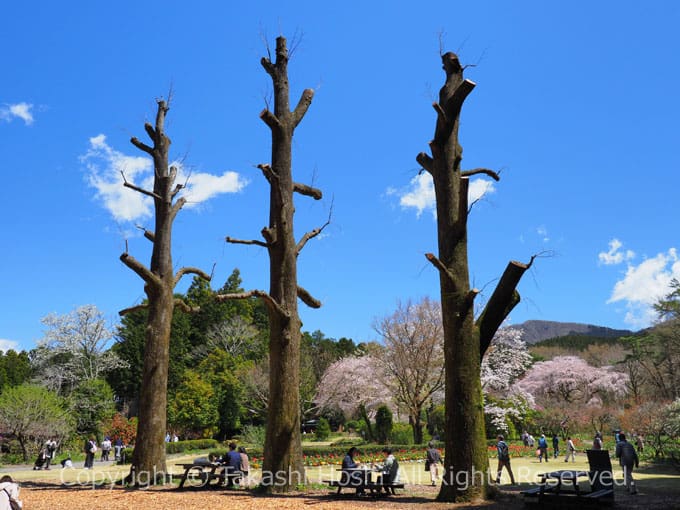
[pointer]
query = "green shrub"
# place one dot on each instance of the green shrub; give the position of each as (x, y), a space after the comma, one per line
(402, 433)
(253, 435)
(383, 424)
(176, 447)
(352, 425)
(323, 430)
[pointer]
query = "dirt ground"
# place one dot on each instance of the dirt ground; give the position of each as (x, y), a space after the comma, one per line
(44, 496)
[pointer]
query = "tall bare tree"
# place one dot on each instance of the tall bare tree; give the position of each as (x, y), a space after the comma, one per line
(283, 467)
(148, 460)
(413, 357)
(465, 340)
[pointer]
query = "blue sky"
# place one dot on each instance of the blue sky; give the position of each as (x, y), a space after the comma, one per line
(576, 104)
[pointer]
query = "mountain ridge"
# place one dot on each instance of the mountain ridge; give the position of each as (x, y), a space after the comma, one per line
(537, 330)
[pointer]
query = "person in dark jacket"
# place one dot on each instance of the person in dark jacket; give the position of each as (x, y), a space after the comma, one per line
(348, 477)
(628, 459)
(503, 460)
(233, 466)
(433, 459)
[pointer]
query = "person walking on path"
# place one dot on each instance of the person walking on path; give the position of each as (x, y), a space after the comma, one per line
(106, 449)
(90, 449)
(542, 448)
(433, 460)
(597, 441)
(556, 445)
(503, 460)
(571, 450)
(118, 448)
(628, 459)
(51, 451)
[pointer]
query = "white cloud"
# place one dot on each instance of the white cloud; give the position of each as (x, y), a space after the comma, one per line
(18, 110)
(614, 256)
(543, 232)
(6, 345)
(105, 164)
(420, 193)
(644, 284)
(202, 187)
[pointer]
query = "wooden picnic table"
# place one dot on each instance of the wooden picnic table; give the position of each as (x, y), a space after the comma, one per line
(200, 474)
(363, 483)
(563, 475)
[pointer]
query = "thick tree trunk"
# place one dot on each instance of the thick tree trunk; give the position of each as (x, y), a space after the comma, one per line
(148, 460)
(417, 429)
(466, 463)
(283, 468)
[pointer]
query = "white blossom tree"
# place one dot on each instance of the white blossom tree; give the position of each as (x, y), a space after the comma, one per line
(74, 349)
(234, 335)
(506, 359)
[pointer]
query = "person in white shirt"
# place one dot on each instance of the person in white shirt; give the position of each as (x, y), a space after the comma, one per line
(571, 449)
(9, 494)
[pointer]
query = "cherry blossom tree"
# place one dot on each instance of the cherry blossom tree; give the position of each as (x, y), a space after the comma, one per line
(413, 357)
(569, 379)
(506, 359)
(74, 349)
(354, 385)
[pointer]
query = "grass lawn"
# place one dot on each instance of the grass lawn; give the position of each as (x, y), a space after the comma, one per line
(526, 472)
(659, 488)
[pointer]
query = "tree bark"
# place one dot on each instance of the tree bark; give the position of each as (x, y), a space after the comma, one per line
(148, 460)
(466, 462)
(283, 467)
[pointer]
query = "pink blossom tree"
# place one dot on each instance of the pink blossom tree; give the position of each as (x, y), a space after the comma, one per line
(570, 380)
(354, 385)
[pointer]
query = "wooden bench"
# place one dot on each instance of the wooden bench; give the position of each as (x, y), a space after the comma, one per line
(372, 487)
(602, 493)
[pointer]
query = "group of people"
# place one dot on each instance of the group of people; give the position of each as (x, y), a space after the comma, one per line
(46, 454)
(236, 465)
(353, 477)
(625, 452)
(90, 449)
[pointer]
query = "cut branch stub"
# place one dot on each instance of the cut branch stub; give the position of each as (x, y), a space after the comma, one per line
(307, 298)
(440, 266)
(504, 298)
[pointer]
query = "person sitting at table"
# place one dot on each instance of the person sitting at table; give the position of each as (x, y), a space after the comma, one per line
(233, 466)
(351, 478)
(389, 470)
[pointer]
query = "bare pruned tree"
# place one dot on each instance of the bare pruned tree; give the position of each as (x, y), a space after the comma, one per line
(465, 340)
(160, 279)
(283, 467)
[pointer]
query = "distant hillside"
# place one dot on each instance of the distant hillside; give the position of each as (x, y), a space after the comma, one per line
(535, 331)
